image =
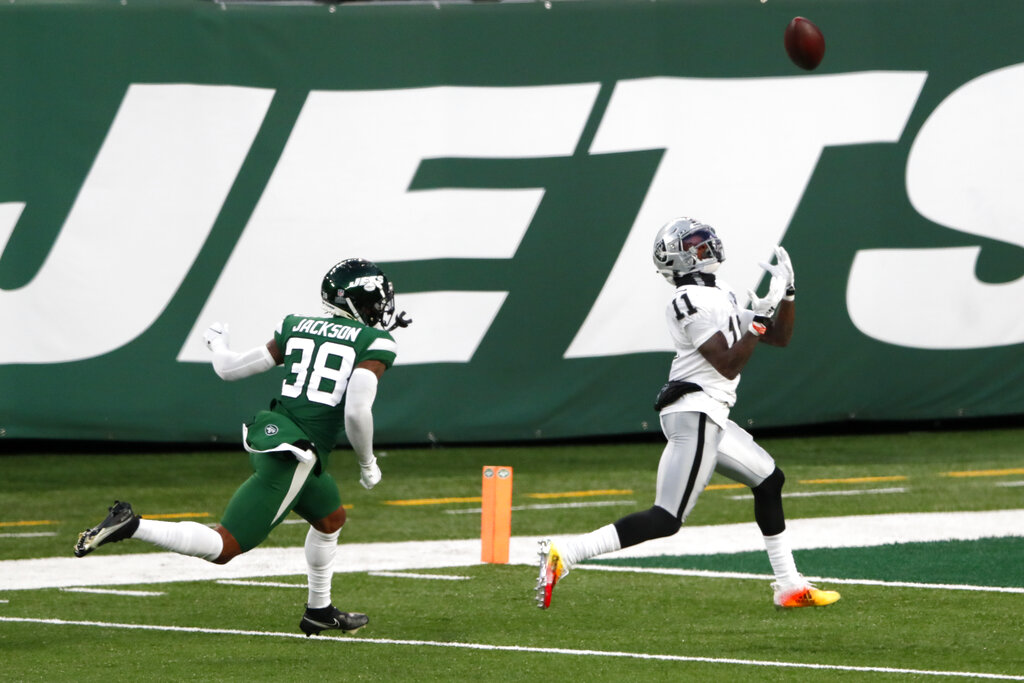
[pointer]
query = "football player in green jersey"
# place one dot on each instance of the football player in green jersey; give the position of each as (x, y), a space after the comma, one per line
(333, 363)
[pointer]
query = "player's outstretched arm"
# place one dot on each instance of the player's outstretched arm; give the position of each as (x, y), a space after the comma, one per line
(780, 331)
(359, 397)
(231, 365)
(729, 361)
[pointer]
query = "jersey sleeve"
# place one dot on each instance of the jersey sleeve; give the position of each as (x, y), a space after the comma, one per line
(382, 347)
(692, 316)
(700, 329)
(279, 333)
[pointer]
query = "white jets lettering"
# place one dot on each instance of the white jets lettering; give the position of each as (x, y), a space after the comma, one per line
(143, 213)
(741, 151)
(964, 172)
(342, 185)
(368, 282)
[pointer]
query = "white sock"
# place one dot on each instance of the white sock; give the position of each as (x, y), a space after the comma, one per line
(781, 557)
(597, 542)
(187, 538)
(320, 550)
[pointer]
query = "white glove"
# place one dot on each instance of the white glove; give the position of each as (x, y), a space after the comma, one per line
(784, 270)
(765, 307)
(215, 334)
(369, 474)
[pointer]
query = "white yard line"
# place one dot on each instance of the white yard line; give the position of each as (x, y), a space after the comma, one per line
(262, 584)
(100, 569)
(706, 573)
(354, 641)
(408, 575)
(814, 494)
(28, 534)
(111, 591)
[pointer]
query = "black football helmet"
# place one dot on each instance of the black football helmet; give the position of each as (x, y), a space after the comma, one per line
(358, 289)
(685, 245)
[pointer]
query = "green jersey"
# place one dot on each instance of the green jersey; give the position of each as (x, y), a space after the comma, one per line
(320, 354)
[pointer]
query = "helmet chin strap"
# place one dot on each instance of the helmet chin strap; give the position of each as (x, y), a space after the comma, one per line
(335, 311)
(353, 312)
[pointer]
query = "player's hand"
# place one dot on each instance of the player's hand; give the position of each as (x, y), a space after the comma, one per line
(369, 474)
(782, 259)
(783, 272)
(780, 285)
(765, 307)
(215, 334)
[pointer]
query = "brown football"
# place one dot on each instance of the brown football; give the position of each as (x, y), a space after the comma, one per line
(805, 44)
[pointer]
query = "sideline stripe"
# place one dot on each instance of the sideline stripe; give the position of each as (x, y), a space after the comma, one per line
(148, 567)
(520, 648)
(710, 574)
(548, 506)
(38, 522)
(1010, 483)
(30, 534)
(111, 591)
(853, 480)
(580, 494)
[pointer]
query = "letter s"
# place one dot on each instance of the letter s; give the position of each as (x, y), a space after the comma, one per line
(964, 172)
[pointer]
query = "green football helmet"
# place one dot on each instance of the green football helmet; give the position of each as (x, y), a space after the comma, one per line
(356, 288)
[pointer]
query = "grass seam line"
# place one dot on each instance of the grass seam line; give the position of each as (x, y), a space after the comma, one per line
(711, 574)
(548, 506)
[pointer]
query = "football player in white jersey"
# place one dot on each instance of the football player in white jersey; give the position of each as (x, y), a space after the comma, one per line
(713, 339)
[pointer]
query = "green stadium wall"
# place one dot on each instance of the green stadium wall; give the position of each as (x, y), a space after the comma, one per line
(167, 164)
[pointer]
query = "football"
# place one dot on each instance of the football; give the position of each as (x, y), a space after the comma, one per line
(805, 44)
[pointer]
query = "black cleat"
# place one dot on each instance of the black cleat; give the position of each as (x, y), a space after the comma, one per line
(330, 617)
(120, 524)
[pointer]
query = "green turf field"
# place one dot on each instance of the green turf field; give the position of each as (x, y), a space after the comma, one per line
(912, 611)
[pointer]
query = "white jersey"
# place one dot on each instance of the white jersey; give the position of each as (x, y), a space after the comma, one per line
(694, 315)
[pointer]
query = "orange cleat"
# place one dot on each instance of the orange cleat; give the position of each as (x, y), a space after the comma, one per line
(802, 595)
(552, 568)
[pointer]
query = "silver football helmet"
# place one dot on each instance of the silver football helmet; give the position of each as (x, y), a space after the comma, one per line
(685, 245)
